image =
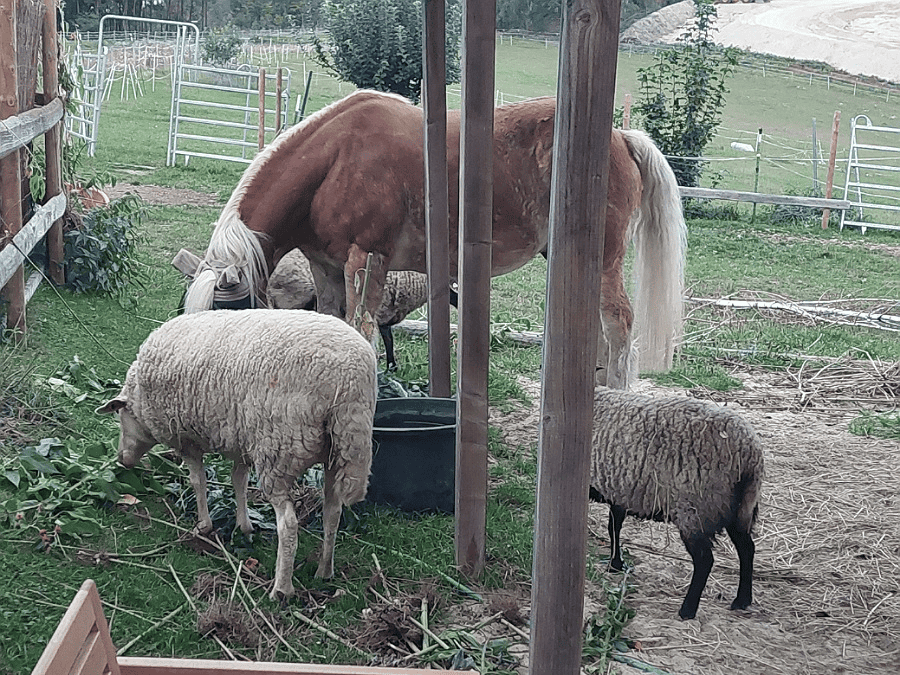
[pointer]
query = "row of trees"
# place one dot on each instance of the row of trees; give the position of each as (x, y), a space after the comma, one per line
(528, 15)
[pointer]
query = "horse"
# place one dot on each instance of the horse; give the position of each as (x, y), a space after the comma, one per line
(346, 187)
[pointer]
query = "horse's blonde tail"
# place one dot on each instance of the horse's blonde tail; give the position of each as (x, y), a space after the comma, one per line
(660, 238)
(201, 292)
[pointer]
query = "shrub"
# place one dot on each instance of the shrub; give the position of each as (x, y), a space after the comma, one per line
(683, 95)
(377, 44)
(221, 45)
(101, 252)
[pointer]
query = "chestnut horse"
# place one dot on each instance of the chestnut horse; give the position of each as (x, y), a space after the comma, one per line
(349, 182)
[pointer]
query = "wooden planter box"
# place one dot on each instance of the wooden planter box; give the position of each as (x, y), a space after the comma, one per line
(81, 645)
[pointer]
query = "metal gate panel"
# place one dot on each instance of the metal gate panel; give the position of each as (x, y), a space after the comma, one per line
(873, 176)
(215, 112)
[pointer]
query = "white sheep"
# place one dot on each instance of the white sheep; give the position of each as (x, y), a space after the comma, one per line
(276, 389)
(677, 459)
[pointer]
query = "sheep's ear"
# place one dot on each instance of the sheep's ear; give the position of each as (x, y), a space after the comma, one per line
(112, 406)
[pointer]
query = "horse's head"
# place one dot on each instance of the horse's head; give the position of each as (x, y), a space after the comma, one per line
(216, 286)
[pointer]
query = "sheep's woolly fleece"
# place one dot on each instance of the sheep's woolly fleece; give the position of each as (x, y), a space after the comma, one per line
(655, 455)
(280, 371)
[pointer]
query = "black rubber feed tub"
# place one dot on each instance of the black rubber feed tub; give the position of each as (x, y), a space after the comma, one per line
(414, 454)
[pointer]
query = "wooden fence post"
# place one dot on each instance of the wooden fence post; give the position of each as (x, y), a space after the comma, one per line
(10, 181)
(434, 102)
(588, 55)
(52, 143)
(829, 180)
(475, 226)
(261, 88)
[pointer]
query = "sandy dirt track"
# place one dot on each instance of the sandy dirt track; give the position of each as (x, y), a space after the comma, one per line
(861, 37)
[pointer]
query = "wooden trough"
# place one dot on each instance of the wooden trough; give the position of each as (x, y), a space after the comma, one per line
(82, 645)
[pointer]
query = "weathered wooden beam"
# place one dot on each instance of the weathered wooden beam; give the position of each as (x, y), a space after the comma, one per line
(434, 102)
(13, 287)
(761, 198)
(475, 225)
(584, 111)
(44, 216)
(53, 142)
(18, 130)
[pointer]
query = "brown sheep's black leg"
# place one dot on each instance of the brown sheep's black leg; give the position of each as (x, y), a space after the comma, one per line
(387, 337)
(743, 542)
(700, 549)
(616, 518)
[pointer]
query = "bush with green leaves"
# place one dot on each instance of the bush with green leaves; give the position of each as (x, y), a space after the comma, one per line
(377, 44)
(221, 45)
(683, 94)
(101, 254)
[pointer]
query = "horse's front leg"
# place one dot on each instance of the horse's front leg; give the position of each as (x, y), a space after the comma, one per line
(361, 310)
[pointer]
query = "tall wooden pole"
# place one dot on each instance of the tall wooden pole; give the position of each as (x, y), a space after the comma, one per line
(475, 216)
(261, 92)
(52, 142)
(588, 52)
(829, 180)
(437, 216)
(10, 182)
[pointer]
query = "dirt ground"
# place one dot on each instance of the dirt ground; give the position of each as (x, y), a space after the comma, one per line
(861, 37)
(827, 573)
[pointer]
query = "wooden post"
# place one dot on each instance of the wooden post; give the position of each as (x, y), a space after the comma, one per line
(52, 142)
(10, 182)
(588, 53)
(475, 226)
(626, 115)
(829, 179)
(434, 99)
(261, 130)
(278, 89)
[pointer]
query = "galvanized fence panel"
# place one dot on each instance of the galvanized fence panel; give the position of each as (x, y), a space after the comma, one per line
(873, 176)
(216, 112)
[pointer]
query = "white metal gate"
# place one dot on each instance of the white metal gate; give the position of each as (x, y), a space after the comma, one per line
(91, 71)
(216, 112)
(873, 176)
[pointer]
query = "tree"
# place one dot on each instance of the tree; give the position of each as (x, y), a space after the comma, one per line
(683, 94)
(377, 44)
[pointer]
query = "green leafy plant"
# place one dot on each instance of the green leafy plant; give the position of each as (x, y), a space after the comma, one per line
(603, 632)
(221, 45)
(101, 254)
(683, 94)
(377, 44)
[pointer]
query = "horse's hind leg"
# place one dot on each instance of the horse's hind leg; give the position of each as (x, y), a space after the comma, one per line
(361, 311)
(614, 358)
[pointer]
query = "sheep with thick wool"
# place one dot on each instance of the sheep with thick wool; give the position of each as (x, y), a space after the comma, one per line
(688, 462)
(279, 390)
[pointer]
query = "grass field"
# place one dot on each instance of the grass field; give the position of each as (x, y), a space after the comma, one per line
(58, 456)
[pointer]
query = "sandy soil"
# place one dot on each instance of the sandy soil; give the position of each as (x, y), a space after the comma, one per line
(861, 37)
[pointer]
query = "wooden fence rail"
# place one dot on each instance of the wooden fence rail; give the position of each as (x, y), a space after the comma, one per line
(17, 130)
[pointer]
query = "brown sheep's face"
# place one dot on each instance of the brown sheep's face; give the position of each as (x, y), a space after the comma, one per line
(134, 438)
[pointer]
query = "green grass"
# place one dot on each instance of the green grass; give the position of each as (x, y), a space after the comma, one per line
(79, 346)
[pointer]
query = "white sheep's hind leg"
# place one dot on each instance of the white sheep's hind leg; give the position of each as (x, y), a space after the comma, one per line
(286, 521)
(197, 474)
(240, 476)
(331, 518)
